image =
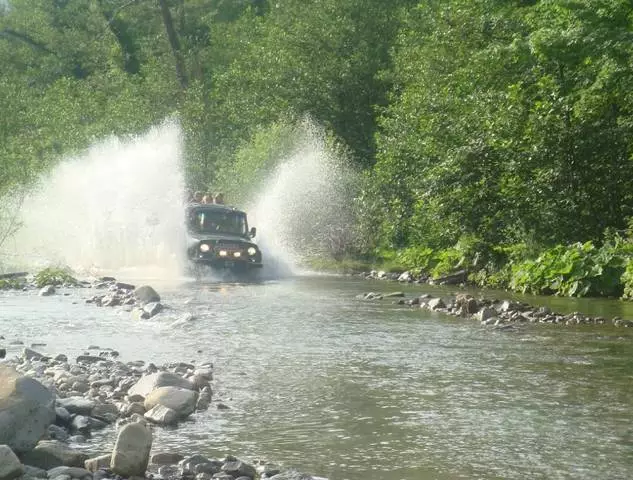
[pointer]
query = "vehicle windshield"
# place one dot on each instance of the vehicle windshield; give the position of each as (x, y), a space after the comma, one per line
(218, 221)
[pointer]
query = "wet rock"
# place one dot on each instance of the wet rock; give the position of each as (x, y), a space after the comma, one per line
(268, 470)
(10, 466)
(405, 277)
(49, 454)
(485, 313)
(47, 291)
(146, 294)
(237, 468)
(292, 475)
(153, 308)
(435, 304)
(56, 432)
(124, 286)
(451, 279)
(34, 472)
(76, 405)
(181, 400)
(130, 455)
(90, 359)
(393, 295)
(150, 382)
(162, 415)
(29, 354)
(71, 472)
(96, 463)
(467, 304)
(27, 408)
(3, 352)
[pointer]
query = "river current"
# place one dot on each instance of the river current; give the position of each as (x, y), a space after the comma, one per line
(349, 389)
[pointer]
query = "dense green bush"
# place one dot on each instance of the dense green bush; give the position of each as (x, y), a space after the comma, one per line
(579, 270)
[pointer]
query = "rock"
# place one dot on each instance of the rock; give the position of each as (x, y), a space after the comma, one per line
(27, 408)
(3, 352)
(435, 304)
(90, 359)
(28, 354)
(238, 468)
(96, 463)
(131, 450)
(393, 295)
(72, 472)
(76, 405)
(450, 279)
(49, 454)
(56, 432)
(34, 472)
(467, 304)
(10, 466)
(166, 458)
(146, 294)
(162, 415)
(405, 277)
(485, 313)
(153, 308)
(181, 400)
(292, 475)
(149, 383)
(46, 291)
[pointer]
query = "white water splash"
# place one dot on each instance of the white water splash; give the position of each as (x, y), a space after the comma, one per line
(116, 208)
(304, 208)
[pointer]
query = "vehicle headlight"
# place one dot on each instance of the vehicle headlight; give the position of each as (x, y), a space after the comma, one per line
(222, 253)
(204, 247)
(252, 251)
(237, 254)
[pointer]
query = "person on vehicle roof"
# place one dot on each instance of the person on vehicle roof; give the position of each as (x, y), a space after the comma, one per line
(197, 197)
(219, 199)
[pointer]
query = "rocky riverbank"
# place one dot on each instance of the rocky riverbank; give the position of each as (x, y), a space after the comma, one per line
(487, 311)
(50, 407)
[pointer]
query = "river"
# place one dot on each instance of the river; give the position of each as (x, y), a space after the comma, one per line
(349, 389)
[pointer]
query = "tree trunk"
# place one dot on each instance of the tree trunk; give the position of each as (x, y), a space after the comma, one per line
(174, 43)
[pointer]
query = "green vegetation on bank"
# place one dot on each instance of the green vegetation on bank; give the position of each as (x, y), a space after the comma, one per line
(492, 136)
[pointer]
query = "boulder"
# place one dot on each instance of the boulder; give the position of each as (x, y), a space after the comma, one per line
(485, 313)
(166, 458)
(130, 455)
(27, 408)
(435, 304)
(146, 294)
(162, 415)
(237, 468)
(151, 382)
(52, 453)
(76, 405)
(10, 466)
(181, 400)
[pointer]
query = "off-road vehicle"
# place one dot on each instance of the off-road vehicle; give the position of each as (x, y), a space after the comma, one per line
(218, 236)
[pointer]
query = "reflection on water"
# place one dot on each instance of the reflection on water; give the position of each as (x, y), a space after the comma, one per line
(371, 390)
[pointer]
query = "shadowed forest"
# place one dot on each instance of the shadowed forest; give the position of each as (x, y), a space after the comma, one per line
(490, 136)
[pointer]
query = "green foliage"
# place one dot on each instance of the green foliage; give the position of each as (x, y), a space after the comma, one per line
(627, 280)
(12, 283)
(55, 276)
(575, 270)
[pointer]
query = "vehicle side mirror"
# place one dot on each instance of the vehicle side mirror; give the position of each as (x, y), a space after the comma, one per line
(253, 232)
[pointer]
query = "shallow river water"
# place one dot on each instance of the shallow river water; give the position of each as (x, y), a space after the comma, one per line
(347, 389)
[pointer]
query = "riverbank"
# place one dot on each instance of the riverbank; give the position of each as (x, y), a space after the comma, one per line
(94, 417)
(57, 405)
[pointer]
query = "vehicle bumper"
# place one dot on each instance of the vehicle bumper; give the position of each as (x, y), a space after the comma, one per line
(226, 264)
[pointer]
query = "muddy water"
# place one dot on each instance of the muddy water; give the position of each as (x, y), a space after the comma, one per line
(369, 390)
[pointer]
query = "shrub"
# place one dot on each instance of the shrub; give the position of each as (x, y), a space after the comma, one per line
(55, 276)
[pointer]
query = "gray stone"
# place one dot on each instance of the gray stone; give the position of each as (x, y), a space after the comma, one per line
(149, 383)
(49, 454)
(181, 400)
(153, 308)
(96, 463)
(76, 405)
(28, 354)
(72, 472)
(10, 466)
(27, 408)
(238, 468)
(46, 291)
(162, 415)
(435, 304)
(130, 455)
(485, 313)
(34, 472)
(292, 475)
(146, 294)
(56, 432)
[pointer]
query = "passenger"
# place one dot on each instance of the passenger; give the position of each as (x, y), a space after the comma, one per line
(219, 199)
(207, 199)
(197, 197)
